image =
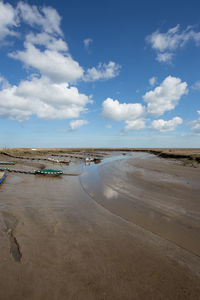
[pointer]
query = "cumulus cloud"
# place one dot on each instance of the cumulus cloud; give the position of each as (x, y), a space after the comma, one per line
(153, 80)
(47, 94)
(46, 51)
(75, 124)
(87, 42)
(134, 124)
(43, 98)
(47, 40)
(46, 18)
(4, 83)
(8, 20)
(166, 43)
(163, 98)
(57, 66)
(54, 59)
(114, 111)
(163, 126)
(132, 113)
(195, 125)
(103, 71)
(166, 96)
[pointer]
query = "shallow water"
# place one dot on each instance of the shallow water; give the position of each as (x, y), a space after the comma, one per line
(110, 185)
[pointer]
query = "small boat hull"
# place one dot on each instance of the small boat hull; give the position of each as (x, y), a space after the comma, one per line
(49, 172)
(2, 176)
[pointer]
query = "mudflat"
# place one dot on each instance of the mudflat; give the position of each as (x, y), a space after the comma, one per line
(127, 228)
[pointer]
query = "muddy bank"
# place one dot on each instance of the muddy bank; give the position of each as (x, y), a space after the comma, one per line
(58, 242)
(56, 156)
(187, 156)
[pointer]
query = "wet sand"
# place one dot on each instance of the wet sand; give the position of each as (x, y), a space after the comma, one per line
(123, 229)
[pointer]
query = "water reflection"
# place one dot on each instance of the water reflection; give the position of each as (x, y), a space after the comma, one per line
(139, 199)
(109, 193)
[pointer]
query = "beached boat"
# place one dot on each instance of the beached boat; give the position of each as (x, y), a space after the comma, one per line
(67, 162)
(53, 159)
(49, 172)
(2, 176)
(97, 160)
(58, 161)
(89, 159)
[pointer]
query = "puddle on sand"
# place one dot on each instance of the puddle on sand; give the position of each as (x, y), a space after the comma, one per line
(132, 209)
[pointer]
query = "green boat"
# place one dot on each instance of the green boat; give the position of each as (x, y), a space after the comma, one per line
(97, 160)
(49, 172)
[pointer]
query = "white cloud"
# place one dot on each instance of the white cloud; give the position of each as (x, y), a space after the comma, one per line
(87, 42)
(43, 98)
(114, 111)
(163, 98)
(57, 66)
(53, 59)
(134, 124)
(73, 125)
(164, 126)
(109, 193)
(164, 57)
(47, 94)
(195, 125)
(153, 80)
(4, 83)
(131, 113)
(196, 85)
(47, 40)
(103, 71)
(8, 20)
(166, 96)
(46, 18)
(166, 43)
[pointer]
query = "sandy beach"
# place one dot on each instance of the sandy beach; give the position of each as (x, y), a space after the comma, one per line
(126, 228)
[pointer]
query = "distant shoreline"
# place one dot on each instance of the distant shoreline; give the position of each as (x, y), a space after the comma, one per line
(186, 155)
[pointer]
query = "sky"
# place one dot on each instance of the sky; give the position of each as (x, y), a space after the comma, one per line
(100, 73)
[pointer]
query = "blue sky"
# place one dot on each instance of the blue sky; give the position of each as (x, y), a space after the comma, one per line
(99, 74)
